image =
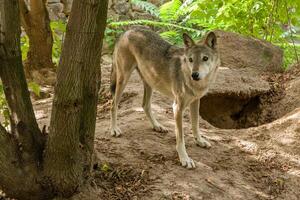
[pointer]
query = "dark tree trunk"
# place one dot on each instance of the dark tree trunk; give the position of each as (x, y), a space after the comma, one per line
(20, 153)
(36, 23)
(25, 172)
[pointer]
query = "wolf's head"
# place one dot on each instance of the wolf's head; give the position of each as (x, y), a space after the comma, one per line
(202, 58)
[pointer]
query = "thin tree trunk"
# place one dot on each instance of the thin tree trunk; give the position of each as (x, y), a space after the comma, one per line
(70, 147)
(36, 23)
(13, 78)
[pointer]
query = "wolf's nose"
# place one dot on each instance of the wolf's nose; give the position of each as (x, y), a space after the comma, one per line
(196, 76)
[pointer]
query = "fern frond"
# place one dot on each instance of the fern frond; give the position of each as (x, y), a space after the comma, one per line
(173, 37)
(146, 6)
(186, 8)
(167, 12)
(166, 25)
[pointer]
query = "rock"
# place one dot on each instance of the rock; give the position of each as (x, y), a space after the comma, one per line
(157, 2)
(67, 6)
(121, 7)
(238, 51)
(53, 1)
(55, 11)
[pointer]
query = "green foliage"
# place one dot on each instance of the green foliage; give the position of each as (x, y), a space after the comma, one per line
(171, 36)
(34, 87)
(146, 6)
(111, 33)
(168, 11)
(289, 54)
(105, 168)
(58, 30)
(154, 24)
(264, 19)
(24, 46)
(3, 107)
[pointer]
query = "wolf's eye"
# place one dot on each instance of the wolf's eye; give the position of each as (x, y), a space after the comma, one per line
(205, 58)
(191, 59)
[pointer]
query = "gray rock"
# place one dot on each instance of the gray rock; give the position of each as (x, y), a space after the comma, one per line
(238, 51)
(55, 11)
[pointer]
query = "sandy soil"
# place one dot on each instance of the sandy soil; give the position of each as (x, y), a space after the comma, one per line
(254, 163)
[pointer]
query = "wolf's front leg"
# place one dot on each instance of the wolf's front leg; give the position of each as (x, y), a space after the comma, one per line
(185, 160)
(194, 114)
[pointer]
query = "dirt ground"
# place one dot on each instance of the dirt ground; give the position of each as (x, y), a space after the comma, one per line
(251, 163)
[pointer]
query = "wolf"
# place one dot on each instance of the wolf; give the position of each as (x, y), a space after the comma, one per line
(183, 74)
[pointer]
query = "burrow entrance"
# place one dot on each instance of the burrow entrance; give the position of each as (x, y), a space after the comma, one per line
(233, 112)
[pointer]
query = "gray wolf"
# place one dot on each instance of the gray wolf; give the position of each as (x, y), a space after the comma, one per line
(182, 73)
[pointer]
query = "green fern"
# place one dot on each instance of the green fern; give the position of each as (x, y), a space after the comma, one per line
(169, 26)
(146, 6)
(265, 19)
(174, 37)
(167, 12)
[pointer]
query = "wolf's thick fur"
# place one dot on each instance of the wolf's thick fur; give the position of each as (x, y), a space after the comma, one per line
(183, 74)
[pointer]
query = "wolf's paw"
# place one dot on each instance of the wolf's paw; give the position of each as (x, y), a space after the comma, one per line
(159, 128)
(115, 132)
(188, 163)
(202, 142)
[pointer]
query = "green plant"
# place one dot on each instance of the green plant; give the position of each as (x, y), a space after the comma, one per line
(58, 30)
(265, 19)
(35, 88)
(24, 46)
(3, 107)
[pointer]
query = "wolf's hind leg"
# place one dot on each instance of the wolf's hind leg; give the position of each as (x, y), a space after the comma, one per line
(147, 108)
(122, 76)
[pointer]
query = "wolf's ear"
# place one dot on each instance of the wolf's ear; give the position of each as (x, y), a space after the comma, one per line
(188, 41)
(211, 40)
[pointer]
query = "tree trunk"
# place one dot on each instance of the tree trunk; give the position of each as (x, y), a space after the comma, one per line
(25, 172)
(69, 151)
(20, 153)
(36, 23)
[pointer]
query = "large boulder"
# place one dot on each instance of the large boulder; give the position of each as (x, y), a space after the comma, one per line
(239, 51)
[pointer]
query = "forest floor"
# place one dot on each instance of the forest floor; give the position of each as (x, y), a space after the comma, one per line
(252, 163)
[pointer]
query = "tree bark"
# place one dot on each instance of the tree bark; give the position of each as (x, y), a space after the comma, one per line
(70, 147)
(69, 150)
(20, 153)
(13, 78)
(36, 23)
(26, 173)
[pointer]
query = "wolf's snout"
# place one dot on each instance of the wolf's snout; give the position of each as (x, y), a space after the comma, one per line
(196, 76)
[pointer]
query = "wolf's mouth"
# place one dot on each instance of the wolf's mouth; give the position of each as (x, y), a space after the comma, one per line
(196, 78)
